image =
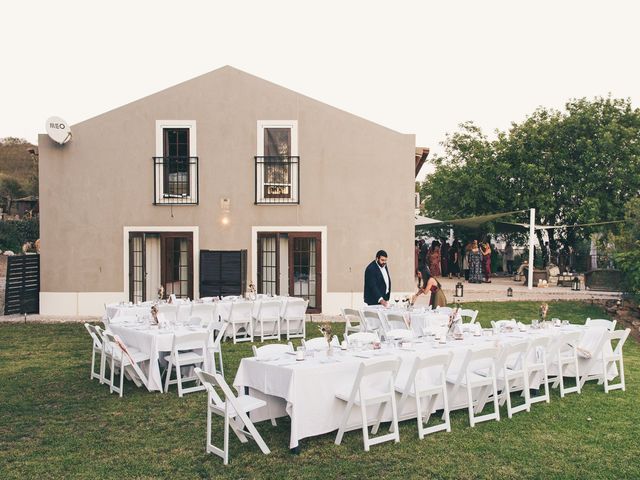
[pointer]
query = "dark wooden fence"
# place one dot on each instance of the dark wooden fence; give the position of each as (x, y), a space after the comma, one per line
(223, 272)
(22, 293)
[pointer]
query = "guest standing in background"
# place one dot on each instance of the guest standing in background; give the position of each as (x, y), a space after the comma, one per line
(465, 259)
(444, 258)
(508, 254)
(454, 253)
(434, 260)
(486, 262)
(475, 263)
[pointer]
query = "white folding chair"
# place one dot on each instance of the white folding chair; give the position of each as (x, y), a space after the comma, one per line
(396, 321)
(96, 348)
(374, 385)
(362, 338)
(203, 314)
(398, 334)
(563, 352)
(591, 351)
(169, 311)
(426, 379)
(271, 350)
(293, 318)
(183, 314)
(601, 322)
(500, 324)
(240, 321)
(234, 411)
(121, 319)
(125, 358)
(320, 343)
(353, 320)
(512, 376)
(619, 336)
(482, 361)
(418, 324)
(372, 321)
(266, 321)
(217, 330)
(537, 365)
(470, 314)
(188, 349)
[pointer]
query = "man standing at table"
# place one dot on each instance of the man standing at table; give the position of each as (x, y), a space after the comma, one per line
(377, 282)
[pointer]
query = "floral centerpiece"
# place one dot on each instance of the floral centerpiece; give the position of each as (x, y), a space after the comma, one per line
(154, 314)
(327, 333)
(160, 292)
(251, 292)
(544, 309)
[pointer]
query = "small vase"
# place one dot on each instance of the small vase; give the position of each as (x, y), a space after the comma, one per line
(330, 351)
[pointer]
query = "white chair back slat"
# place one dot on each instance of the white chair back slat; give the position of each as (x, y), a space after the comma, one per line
(362, 338)
(471, 315)
(267, 351)
(601, 322)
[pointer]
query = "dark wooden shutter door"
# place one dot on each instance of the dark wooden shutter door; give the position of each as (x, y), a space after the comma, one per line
(223, 272)
(22, 293)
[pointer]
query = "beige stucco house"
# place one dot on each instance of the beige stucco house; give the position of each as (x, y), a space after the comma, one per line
(225, 161)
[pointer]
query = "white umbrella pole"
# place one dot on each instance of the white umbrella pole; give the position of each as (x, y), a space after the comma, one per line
(532, 223)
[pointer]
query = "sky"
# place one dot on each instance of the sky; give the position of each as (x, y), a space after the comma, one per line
(419, 67)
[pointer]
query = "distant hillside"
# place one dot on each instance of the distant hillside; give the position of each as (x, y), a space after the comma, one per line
(18, 164)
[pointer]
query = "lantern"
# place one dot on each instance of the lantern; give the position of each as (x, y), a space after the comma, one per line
(509, 292)
(575, 284)
(459, 290)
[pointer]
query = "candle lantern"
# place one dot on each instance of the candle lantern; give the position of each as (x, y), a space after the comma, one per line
(509, 292)
(459, 290)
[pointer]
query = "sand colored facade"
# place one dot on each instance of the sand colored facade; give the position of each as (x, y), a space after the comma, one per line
(356, 191)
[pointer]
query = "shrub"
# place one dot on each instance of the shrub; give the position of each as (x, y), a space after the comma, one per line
(14, 233)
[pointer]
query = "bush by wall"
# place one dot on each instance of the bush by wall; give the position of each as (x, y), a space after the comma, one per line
(14, 233)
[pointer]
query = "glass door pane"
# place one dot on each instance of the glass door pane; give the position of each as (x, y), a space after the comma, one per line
(304, 269)
(268, 263)
(177, 269)
(136, 267)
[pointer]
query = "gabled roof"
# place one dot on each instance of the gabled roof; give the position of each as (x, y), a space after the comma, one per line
(229, 70)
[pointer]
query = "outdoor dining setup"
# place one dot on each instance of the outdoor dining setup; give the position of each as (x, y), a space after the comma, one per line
(394, 364)
(147, 340)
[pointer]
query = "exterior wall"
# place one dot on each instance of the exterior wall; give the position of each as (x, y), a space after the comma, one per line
(356, 181)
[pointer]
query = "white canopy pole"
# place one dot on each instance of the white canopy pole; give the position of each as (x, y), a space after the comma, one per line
(532, 223)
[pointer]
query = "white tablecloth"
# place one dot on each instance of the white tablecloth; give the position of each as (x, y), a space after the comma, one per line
(154, 342)
(117, 310)
(306, 390)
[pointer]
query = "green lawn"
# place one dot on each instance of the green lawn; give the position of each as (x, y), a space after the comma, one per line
(56, 423)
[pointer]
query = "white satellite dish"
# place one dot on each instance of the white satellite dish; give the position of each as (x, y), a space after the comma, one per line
(58, 130)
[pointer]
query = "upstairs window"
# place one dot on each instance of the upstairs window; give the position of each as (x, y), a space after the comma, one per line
(175, 164)
(277, 163)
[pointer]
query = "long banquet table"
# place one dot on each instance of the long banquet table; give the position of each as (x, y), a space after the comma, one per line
(305, 390)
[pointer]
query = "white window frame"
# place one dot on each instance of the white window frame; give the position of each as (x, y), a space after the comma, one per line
(293, 126)
(193, 152)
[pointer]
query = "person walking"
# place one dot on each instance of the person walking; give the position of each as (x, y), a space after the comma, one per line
(377, 281)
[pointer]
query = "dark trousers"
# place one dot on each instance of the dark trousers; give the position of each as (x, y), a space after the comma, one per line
(510, 267)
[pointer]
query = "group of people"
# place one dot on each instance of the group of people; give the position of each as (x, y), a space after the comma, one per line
(377, 284)
(473, 261)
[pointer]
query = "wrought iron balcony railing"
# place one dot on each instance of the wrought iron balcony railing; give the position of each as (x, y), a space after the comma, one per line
(175, 180)
(277, 180)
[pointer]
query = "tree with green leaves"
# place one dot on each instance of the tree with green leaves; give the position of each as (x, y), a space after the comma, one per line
(580, 165)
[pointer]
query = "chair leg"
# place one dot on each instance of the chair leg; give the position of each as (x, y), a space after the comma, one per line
(343, 423)
(419, 416)
(365, 427)
(622, 373)
(179, 378)
(220, 358)
(121, 376)
(226, 439)
(93, 363)
(446, 412)
(168, 377)
(112, 375)
(472, 422)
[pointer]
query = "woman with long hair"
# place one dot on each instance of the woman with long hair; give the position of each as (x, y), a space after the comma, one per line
(475, 263)
(486, 262)
(434, 260)
(429, 286)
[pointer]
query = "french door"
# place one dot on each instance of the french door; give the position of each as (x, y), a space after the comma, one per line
(305, 272)
(290, 264)
(160, 259)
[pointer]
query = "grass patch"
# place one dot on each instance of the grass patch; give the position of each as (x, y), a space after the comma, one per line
(56, 423)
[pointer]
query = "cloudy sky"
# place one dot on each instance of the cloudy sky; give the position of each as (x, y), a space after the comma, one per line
(418, 67)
